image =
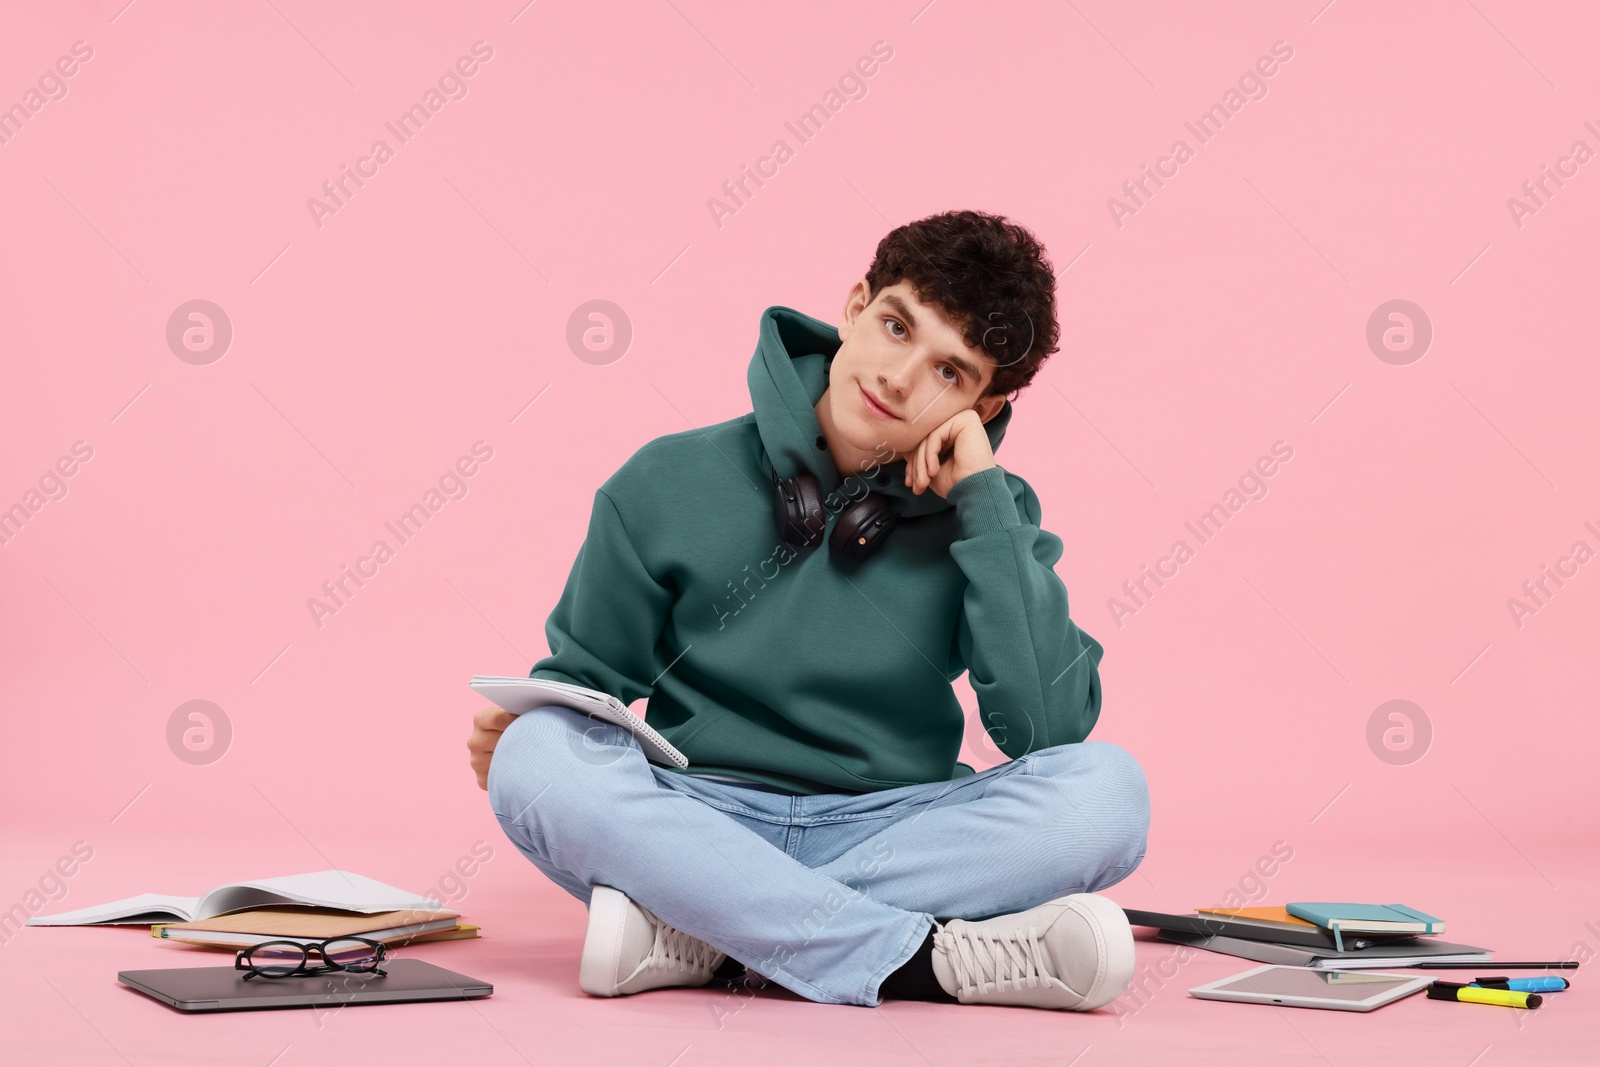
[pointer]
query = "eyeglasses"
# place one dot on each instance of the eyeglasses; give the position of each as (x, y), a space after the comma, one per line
(280, 959)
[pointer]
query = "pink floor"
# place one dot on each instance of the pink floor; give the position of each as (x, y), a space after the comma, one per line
(65, 1006)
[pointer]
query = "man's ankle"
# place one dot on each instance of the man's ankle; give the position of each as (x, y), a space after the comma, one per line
(914, 979)
(729, 970)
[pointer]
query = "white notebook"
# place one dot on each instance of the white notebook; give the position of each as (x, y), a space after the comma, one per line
(518, 695)
(344, 890)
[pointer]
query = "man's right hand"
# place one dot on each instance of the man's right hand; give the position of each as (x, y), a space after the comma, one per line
(487, 726)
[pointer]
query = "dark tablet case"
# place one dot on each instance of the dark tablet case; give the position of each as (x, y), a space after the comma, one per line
(1213, 926)
(200, 989)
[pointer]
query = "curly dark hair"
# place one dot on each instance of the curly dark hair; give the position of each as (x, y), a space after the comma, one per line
(990, 275)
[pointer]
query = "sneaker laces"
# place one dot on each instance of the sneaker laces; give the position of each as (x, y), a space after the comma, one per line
(978, 958)
(674, 948)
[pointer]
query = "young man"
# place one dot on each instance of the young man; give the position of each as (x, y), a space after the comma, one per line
(824, 835)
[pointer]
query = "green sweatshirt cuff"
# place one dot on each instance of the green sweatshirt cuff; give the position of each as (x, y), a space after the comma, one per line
(983, 503)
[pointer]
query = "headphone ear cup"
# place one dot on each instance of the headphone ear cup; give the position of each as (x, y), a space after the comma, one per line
(799, 514)
(863, 527)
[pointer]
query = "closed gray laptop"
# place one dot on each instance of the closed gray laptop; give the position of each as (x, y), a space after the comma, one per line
(224, 989)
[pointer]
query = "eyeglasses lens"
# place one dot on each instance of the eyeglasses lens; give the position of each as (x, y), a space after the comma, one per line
(352, 955)
(276, 960)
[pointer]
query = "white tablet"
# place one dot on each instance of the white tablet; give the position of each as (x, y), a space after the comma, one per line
(1303, 987)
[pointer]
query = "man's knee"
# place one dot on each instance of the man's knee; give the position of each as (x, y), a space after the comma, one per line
(1104, 786)
(1119, 776)
(545, 754)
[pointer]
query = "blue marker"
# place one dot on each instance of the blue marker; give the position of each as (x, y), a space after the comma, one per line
(1524, 985)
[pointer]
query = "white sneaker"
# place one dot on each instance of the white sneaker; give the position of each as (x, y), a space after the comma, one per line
(628, 950)
(1073, 953)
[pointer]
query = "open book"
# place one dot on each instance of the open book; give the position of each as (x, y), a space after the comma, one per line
(519, 695)
(344, 890)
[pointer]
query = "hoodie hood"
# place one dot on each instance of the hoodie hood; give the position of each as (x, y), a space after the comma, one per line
(788, 375)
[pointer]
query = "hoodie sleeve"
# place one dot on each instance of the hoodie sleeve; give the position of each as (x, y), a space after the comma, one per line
(1035, 672)
(605, 628)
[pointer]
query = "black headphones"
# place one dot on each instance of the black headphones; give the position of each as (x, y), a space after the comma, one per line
(863, 526)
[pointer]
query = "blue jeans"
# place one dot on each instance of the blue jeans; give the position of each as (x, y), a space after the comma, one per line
(829, 894)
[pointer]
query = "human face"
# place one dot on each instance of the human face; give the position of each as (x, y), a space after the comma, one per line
(902, 370)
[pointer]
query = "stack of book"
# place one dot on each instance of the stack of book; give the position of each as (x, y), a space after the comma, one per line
(303, 907)
(1317, 935)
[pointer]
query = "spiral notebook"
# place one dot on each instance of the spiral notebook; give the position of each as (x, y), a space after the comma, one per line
(519, 695)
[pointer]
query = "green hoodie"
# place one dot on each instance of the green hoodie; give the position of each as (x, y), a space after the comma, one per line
(790, 667)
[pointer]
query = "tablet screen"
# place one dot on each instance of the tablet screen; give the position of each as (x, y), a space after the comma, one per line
(1325, 985)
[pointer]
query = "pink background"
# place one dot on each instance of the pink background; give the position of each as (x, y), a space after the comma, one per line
(372, 351)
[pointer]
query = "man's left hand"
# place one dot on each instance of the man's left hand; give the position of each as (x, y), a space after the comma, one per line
(956, 448)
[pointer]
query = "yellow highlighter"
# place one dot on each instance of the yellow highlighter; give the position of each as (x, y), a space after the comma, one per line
(1510, 998)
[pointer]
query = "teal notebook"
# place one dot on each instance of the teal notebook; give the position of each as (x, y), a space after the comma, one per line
(1341, 919)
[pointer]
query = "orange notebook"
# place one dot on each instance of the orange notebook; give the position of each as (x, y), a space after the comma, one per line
(257, 925)
(462, 932)
(1261, 915)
